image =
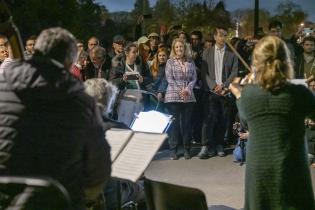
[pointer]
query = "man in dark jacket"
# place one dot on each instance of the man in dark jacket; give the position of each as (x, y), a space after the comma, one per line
(51, 126)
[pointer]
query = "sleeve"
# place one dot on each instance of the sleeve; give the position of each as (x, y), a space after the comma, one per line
(116, 77)
(97, 162)
(163, 85)
(206, 81)
(193, 78)
(146, 74)
(307, 102)
(233, 71)
(169, 74)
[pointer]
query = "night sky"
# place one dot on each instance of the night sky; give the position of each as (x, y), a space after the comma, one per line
(307, 5)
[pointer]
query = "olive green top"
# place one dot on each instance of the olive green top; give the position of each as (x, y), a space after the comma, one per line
(277, 172)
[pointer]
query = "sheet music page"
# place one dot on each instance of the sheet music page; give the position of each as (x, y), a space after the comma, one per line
(117, 139)
(152, 121)
(137, 155)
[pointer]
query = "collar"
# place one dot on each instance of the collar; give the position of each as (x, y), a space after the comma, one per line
(220, 49)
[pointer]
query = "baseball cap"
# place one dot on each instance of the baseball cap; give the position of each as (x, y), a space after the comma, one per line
(143, 40)
(153, 35)
(118, 39)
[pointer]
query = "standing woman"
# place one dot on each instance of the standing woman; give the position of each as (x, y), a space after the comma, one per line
(277, 172)
(181, 77)
(129, 62)
(158, 72)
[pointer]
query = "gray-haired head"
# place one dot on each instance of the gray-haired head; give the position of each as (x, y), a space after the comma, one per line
(103, 92)
(57, 43)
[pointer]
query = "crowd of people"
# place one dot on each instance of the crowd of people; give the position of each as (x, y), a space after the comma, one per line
(50, 126)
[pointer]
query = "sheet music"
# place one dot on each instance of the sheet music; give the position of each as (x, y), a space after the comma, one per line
(152, 122)
(117, 139)
(137, 155)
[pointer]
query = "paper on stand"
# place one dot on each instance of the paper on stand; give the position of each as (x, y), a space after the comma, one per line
(137, 155)
(152, 121)
(117, 139)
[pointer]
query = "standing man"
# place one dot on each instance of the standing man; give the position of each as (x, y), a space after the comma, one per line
(218, 69)
(305, 63)
(275, 29)
(49, 126)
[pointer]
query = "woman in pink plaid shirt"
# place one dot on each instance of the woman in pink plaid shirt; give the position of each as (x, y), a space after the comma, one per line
(181, 76)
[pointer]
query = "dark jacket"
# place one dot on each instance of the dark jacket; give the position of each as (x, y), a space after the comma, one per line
(160, 83)
(55, 127)
(91, 71)
(229, 72)
(299, 67)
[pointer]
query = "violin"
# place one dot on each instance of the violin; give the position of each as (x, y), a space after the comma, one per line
(9, 29)
(238, 83)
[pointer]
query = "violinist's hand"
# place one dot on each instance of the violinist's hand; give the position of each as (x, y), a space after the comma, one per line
(236, 88)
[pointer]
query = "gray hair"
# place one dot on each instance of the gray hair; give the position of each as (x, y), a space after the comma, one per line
(98, 51)
(57, 43)
(103, 92)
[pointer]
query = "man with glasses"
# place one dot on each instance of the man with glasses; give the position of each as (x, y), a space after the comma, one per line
(100, 64)
(117, 46)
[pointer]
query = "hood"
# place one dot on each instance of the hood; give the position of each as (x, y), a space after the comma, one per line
(43, 78)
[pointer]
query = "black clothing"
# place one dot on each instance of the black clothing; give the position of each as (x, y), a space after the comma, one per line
(92, 71)
(277, 174)
(181, 125)
(54, 125)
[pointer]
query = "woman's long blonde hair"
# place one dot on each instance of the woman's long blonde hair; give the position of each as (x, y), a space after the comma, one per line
(271, 63)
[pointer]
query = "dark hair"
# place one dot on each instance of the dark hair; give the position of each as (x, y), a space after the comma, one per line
(218, 28)
(129, 46)
(197, 33)
(33, 37)
(80, 41)
(308, 38)
(275, 24)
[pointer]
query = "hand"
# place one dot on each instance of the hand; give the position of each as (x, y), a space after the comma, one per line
(184, 94)
(218, 89)
(243, 135)
(140, 78)
(236, 88)
(124, 77)
(160, 97)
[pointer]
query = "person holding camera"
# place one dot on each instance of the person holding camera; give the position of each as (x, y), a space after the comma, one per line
(128, 71)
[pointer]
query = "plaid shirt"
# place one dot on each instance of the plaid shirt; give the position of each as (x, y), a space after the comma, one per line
(178, 78)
